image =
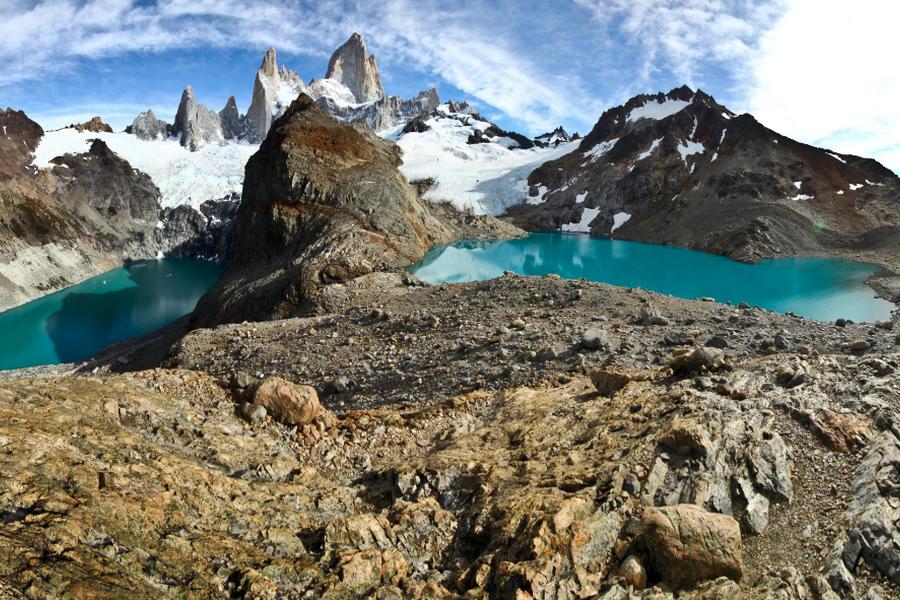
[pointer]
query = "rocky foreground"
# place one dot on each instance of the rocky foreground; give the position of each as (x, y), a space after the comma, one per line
(516, 438)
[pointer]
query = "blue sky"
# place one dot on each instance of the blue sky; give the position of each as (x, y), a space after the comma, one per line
(817, 70)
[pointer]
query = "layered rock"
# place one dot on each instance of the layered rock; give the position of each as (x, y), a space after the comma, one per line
(352, 66)
(323, 202)
(147, 126)
(681, 169)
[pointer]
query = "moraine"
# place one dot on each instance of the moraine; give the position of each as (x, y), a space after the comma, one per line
(77, 322)
(817, 288)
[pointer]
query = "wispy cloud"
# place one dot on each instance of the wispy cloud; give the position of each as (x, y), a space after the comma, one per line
(687, 39)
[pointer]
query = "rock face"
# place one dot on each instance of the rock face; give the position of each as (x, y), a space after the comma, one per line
(117, 203)
(230, 119)
(323, 202)
(273, 91)
(352, 66)
(196, 124)
(681, 169)
(189, 233)
(384, 113)
(688, 545)
(147, 127)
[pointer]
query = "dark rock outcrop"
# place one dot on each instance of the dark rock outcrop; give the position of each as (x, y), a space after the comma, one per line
(230, 119)
(117, 203)
(82, 216)
(689, 172)
(190, 233)
(323, 202)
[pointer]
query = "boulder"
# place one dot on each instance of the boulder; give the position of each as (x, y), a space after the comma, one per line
(688, 545)
(685, 437)
(609, 380)
(697, 360)
(287, 402)
(595, 339)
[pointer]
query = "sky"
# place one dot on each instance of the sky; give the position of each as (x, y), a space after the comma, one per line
(820, 71)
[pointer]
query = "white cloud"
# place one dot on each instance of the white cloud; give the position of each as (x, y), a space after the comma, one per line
(825, 75)
(684, 38)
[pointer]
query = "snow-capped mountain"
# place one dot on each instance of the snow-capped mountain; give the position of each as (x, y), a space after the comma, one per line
(463, 158)
(681, 169)
(350, 91)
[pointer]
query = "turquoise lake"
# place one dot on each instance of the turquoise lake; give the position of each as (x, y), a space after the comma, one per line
(818, 288)
(81, 320)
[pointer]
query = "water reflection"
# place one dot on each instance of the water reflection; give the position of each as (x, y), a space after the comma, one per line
(79, 321)
(824, 289)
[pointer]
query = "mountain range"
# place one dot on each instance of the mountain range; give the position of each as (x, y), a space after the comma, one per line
(674, 168)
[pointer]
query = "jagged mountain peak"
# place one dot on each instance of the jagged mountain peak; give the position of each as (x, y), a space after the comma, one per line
(269, 65)
(351, 65)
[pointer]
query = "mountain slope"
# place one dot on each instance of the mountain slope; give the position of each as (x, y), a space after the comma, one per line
(681, 169)
(80, 216)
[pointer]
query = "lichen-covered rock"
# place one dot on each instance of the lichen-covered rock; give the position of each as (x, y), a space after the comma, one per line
(688, 545)
(288, 402)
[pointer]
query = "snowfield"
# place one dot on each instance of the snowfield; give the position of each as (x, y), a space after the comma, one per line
(656, 110)
(182, 176)
(485, 179)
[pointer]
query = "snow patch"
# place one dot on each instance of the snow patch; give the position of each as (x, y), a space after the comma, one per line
(649, 151)
(801, 197)
(855, 186)
(714, 157)
(689, 147)
(183, 177)
(726, 116)
(840, 192)
(582, 226)
(600, 149)
(798, 184)
(836, 157)
(722, 139)
(657, 110)
(580, 197)
(619, 219)
(874, 183)
(539, 199)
